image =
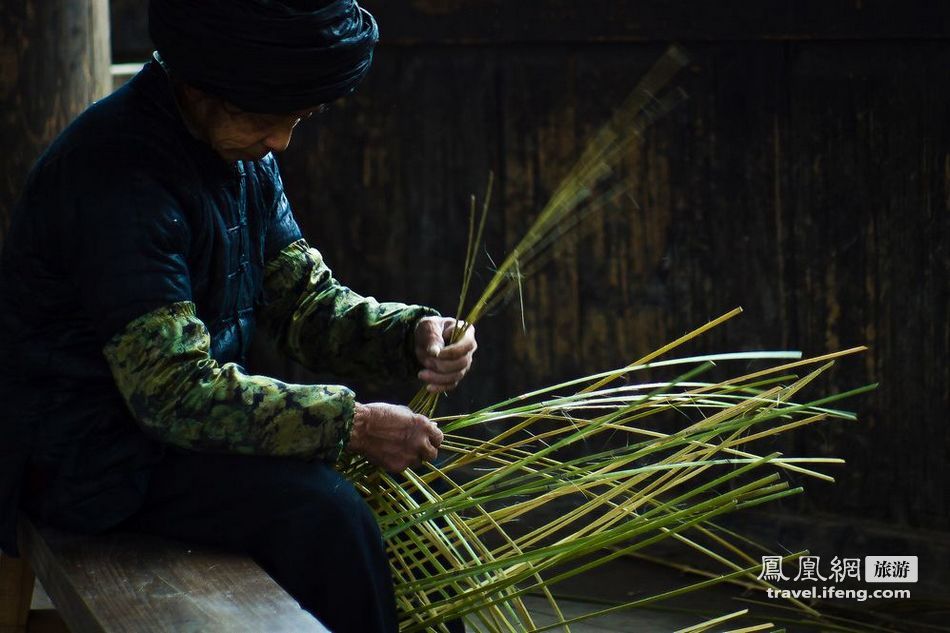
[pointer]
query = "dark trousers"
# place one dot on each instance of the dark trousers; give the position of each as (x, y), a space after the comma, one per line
(302, 522)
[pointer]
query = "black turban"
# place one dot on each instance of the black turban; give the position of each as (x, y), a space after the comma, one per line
(266, 56)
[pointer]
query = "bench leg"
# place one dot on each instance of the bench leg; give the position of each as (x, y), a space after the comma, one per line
(16, 593)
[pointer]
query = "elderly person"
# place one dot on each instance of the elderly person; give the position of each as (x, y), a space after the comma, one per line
(151, 239)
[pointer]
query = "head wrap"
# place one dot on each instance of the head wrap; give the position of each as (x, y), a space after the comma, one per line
(269, 56)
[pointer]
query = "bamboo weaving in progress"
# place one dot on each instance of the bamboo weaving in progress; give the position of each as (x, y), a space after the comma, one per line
(454, 529)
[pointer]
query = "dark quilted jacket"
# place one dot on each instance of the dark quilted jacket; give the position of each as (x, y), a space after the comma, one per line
(125, 175)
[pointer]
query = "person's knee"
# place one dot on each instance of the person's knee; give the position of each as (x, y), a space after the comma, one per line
(325, 530)
(340, 510)
(312, 501)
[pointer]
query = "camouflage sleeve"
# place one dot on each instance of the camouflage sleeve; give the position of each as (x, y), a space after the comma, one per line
(328, 327)
(180, 395)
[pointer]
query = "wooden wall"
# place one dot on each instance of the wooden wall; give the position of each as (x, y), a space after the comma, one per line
(806, 179)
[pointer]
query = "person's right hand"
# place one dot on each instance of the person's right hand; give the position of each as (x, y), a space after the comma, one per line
(393, 437)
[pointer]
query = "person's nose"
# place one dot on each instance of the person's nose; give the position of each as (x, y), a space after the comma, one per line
(279, 137)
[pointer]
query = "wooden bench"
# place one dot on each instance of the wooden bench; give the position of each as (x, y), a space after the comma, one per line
(138, 583)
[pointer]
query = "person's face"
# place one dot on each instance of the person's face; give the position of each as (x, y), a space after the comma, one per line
(238, 135)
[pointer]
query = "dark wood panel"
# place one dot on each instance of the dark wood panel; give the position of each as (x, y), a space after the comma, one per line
(129, 29)
(869, 198)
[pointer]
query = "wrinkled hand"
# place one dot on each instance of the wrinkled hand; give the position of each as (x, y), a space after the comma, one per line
(443, 365)
(393, 437)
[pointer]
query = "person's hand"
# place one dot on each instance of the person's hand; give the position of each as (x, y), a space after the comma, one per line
(393, 437)
(443, 365)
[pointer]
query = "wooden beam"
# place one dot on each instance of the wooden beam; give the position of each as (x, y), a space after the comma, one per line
(410, 22)
(487, 22)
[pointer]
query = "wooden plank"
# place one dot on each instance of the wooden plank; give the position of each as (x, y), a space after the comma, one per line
(16, 590)
(136, 583)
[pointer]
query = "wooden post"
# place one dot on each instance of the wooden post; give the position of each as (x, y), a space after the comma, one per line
(54, 61)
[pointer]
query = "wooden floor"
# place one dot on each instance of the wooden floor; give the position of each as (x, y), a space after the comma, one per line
(627, 580)
(626, 622)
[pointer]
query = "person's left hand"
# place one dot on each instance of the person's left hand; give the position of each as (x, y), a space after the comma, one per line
(444, 365)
